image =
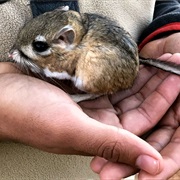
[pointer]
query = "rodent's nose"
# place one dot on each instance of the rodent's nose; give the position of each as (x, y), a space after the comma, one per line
(13, 53)
(10, 55)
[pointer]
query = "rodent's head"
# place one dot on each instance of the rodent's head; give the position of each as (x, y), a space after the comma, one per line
(47, 38)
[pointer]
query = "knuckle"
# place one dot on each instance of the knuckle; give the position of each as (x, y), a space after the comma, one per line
(113, 151)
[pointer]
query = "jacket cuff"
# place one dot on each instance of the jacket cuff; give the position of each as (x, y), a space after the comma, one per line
(161, 26)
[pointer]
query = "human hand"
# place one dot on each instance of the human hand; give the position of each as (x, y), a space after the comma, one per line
(39, 114)
(159, 47)
(165, 137)
(141, 108)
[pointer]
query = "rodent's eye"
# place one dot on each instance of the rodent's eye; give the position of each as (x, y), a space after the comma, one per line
(40, 46)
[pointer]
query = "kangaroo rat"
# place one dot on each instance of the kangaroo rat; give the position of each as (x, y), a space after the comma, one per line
(98, 56)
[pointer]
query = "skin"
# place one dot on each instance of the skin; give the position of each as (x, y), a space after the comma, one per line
(152, 102)
(41, 115)
(52, 129)
(169, 124)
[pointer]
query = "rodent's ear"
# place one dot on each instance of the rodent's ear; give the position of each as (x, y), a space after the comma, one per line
(65, 37)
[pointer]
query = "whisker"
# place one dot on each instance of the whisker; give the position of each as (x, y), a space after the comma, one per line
(37, 71)
(25, 67)
(56, 83)
(28, 67)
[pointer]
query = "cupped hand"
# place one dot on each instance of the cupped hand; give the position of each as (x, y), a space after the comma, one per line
(166, 137)
(138, 110)
(41, 115)
(153, 99)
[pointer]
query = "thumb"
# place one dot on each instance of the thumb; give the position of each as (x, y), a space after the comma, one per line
(118, 145)
(153, 49)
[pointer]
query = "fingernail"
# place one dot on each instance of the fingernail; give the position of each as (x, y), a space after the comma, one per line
(148, 164)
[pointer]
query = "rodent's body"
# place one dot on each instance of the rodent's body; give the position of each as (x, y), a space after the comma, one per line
(88, 49)
(101, 58)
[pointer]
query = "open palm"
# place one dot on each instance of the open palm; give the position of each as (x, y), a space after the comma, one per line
(150, 108)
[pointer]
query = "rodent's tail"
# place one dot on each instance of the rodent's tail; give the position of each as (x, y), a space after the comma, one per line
(164, 65)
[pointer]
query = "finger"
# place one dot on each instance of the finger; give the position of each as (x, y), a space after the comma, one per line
(172, 43)
(165, 56)
(139, 97)
(148, 86)
(120, 146)
(142, 118)
(171, 57)
(163, 133)
(116, 171)
(161, 137)
(110, 170)
(153, 49)
(171, 159)
(145, 74)
(97, 164)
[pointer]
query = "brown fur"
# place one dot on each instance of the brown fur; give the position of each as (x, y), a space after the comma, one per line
(92, 49)
(103, 55)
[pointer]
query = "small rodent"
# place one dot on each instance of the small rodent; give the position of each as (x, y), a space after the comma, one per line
(92, 51)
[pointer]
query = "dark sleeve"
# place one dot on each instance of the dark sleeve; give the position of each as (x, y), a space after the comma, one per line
(41, 6)
(166, 21)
